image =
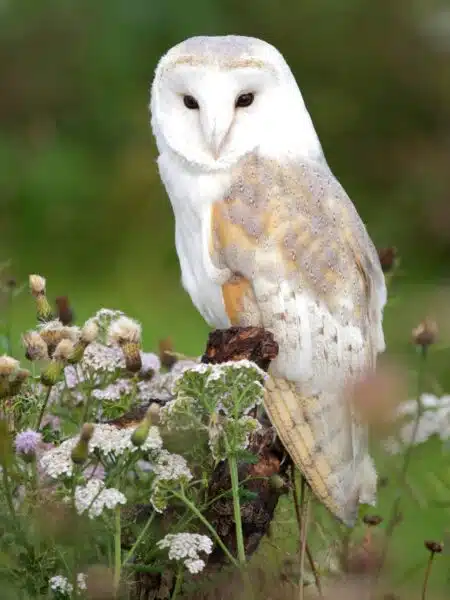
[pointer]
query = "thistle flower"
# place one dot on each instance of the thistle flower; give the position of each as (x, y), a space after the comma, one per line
(126, 333)
(8, 366)
(26, 443)
(15, 385)
(61, 355)
(425, 333)
(37, 288)
(35, 346)
(89, 332)
(54, 331)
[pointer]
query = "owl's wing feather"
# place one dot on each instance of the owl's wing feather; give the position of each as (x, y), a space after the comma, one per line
(305, 268)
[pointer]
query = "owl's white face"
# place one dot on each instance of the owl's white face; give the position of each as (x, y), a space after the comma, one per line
(214, 99)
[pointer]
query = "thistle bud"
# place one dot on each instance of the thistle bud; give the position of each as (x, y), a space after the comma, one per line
(425, 333)
(89, 332)
(64, 350)
(80, 451)
(434, 547)
(35, 346)
(37, 288)
(16, 384)
(140, 434)
(166, 354)
(51, 374)
(8, 366)
(388, 258)
(64, 311)
(126, 333)
(372, 520)
(87, 431)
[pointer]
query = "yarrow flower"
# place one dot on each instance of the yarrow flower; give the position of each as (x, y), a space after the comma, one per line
(26, 442)
(94, 497)
(111, 441)
(99, 357)
(434, 420)
(61, 585)
(186, 547)
(170, 470)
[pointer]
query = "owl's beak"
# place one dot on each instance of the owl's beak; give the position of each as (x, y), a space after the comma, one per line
(215, 129)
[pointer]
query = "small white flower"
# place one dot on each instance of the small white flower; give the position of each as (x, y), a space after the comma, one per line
(194, 565)
(186, 547)
(94, 497)
(114, 391)
(60, 584)
(429, 401)
(57, 462)
(170, 467)
(82, 581)
(99, 357)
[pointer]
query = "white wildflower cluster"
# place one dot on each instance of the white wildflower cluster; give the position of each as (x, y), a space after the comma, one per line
(110, 441)
(434, 420)
(218, 398)
(186, 547)
(94, 497)
(113, 391)
(61, 585)
(170, 470)
(99, 357)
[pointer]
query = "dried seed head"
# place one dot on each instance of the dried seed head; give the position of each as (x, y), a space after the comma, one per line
(425, 333)
(37, 285)
(87, 431)
(372, 520)
(15, 385)
(166, 355)
(124, 330)
(35, 346)
(54, 331)
(8, 365)
(388, 258)
(434, 547)
(64, 350)
(64, 311)
(132, 354)
(89, 332)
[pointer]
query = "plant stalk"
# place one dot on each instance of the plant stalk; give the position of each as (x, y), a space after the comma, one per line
(117, 552)
(427, 575)
(139, 539)
(237, 508)
(43, 407)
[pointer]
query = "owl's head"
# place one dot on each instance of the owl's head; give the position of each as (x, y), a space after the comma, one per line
(214, 99)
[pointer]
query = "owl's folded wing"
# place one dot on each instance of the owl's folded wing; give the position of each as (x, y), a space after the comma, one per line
(304, 267)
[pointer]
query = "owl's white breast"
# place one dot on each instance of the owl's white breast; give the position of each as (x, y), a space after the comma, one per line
(192, 194)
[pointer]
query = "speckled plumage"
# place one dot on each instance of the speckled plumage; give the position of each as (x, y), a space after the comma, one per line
(266, 236)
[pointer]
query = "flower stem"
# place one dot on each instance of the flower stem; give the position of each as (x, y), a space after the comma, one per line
(427, 576)
(208, 525)
(8, 493)
(139, 539)
(117, 551)
(43, 407)
(178, 582)
(237, 507)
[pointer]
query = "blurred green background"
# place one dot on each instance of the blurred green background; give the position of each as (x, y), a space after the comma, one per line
(81, 201)
(80, 197)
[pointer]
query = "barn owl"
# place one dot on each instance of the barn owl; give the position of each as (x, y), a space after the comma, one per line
(266, 236)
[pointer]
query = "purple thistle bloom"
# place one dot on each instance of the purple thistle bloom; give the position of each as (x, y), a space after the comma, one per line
(26, 442)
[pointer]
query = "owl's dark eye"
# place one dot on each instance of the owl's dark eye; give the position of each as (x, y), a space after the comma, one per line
(190, 102)
(244, 100)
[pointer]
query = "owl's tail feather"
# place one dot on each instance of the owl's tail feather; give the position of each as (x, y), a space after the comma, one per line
(289, 415)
